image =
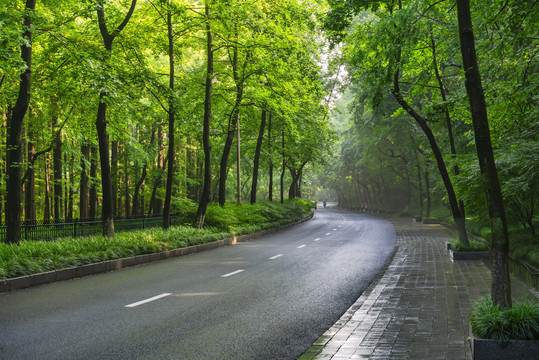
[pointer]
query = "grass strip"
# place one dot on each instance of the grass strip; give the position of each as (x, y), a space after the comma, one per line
(33, 257)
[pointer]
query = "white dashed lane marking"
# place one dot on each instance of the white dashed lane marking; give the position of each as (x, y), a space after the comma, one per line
(148, 300)
(232, 273)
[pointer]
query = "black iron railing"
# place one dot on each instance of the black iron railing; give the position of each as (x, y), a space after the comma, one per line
(53, 229)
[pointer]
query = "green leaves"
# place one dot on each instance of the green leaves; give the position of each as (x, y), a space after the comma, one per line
(521, 322)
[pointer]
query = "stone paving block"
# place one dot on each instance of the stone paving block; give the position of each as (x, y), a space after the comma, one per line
(419, 308)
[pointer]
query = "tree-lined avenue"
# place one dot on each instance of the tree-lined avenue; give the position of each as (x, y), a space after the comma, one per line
(270, 298)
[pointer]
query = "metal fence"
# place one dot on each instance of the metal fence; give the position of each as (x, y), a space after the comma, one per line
(34, 230)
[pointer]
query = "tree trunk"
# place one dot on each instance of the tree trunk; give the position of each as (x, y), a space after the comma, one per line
(114, 176)
(136, 205)
(107, 212)
(171, 120)
(138, 186)
(30, 185)
(127, 200)
(70, 188)
(449, 126)
(420, 188)
(83, 186)
(57, 165)
(256, 161)
(15, 144)
(457, 216)
(427, 189)
(92, 206)
(47, 205)
(270, 186)
(499, 250)
(232, 124)
(283, 169)
(107, 207)
(206, 190)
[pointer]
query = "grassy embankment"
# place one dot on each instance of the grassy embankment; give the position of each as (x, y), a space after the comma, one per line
(32, 257)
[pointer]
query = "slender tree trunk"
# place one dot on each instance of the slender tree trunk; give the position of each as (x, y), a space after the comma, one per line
(270, 192)
(83, 187)
(449, 126)
(427, 189)
(283, 168)
(30, 186)
(107, 209)
(15, 144)
(138, 186)
(57, 164)
(136, 201)
(127, 201)
(256, 161)
(92, 206)
(114, 176)
(206, 190)
(499, 250)
(420, 188)
(457, 216)
(47, 206)
(171, 120)
(156, 204)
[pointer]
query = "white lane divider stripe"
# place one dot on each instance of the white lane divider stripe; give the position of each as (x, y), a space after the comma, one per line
(317, 239)
(301, 246)
(334, 229)
(148, 300)
(232, 273)
(328, 234)
(275, 257)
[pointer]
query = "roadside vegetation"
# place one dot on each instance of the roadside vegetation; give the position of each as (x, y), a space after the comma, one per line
(489, 321)
(32, 257)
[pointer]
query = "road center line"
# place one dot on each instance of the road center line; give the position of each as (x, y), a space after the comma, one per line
(148, 300)
(301, 246)
(328, 234)
(275, 257)
(317, 239)
(232, 273)
(334, 229)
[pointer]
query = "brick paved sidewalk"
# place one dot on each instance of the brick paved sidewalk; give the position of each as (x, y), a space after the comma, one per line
(418, 309)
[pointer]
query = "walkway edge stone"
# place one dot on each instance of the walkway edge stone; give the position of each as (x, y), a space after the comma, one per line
(328, 335)
(23, 282)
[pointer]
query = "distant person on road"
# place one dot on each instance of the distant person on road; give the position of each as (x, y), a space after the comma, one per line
(325, 203)
(364, 207)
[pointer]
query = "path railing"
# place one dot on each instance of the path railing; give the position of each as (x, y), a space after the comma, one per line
(34, 230)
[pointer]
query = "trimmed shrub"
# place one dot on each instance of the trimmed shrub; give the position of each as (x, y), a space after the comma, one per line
(521, 322)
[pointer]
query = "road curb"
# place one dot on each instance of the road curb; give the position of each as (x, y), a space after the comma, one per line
(27, 281)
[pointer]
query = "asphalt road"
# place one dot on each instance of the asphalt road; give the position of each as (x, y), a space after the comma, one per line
(269, 298)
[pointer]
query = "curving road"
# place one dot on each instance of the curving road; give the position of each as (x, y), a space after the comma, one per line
(270, 298)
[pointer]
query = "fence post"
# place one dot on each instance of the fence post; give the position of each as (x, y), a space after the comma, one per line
(75, 227)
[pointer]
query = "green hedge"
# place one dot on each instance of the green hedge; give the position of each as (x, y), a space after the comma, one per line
(32, 257)
(521, 322)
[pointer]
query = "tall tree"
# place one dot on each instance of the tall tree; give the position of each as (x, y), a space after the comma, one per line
(107, 209)
(501, 285)
(256, 160)
(14, 144)
(206, 189)
(171, 119)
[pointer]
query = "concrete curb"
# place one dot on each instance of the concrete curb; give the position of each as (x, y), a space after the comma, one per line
(112, 265)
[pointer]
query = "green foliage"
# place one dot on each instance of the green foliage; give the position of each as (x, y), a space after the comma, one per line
(473, 245)
(31, 257)
(521, 322)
